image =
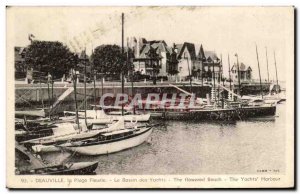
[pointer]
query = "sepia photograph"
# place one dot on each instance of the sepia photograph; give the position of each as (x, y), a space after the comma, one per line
(150, 97)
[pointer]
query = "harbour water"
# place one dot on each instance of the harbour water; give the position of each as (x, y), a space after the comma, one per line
(183, 147)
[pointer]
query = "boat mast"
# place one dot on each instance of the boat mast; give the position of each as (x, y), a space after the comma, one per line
(122, 71)
(75, 98)
(261, 92)
(95, 77)
(49, 102)
(52, 94)
(229, 73)
(276, 72)
(238, 69)
(189, 69)
(85, 102)
(40, 89)
(219, 77)
(131, 73)
(213, 76)
(267, 64)
(102, 80)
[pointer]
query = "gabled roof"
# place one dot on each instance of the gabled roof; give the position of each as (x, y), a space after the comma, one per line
(159, 45)
(211, 54)
(170, 49)
(145, 49)
(190, 48)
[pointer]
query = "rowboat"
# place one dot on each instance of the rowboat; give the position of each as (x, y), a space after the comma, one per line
(37, 166)
(77, 168)
(110, 142)
(30, 113)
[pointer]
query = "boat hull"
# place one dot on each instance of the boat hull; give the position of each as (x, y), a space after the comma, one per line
(80, 168)
(45, 148)
(111, 147)
(216, 114)
(131, 118)
(252, 112)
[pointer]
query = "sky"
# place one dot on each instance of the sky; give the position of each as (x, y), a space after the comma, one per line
(225, 30)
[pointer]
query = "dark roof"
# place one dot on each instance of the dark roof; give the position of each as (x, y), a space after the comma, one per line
(201, 54)
(143, 40)
(158, 45)
(145, 49)
(161, 45)
(211, 54)
(190, 47)
(242, 67)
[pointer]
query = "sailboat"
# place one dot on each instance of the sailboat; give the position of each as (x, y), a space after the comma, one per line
(110, 141)
(269, 98)
(67, 132)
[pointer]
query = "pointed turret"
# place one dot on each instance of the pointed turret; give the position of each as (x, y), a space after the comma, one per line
(201, 55)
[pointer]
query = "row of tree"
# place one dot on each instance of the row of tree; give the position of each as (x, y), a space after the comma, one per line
(57, 59)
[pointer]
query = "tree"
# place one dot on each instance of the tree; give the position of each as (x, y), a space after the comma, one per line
(209, 74)
(154, 60)
(50, 57)
(108, 59)
(173, 71)
(173, 63)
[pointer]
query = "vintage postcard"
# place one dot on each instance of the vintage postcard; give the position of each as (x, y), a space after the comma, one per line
(150, 97)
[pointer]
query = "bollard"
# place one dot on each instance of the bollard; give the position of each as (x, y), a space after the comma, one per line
(145, 80)
(161, 80)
